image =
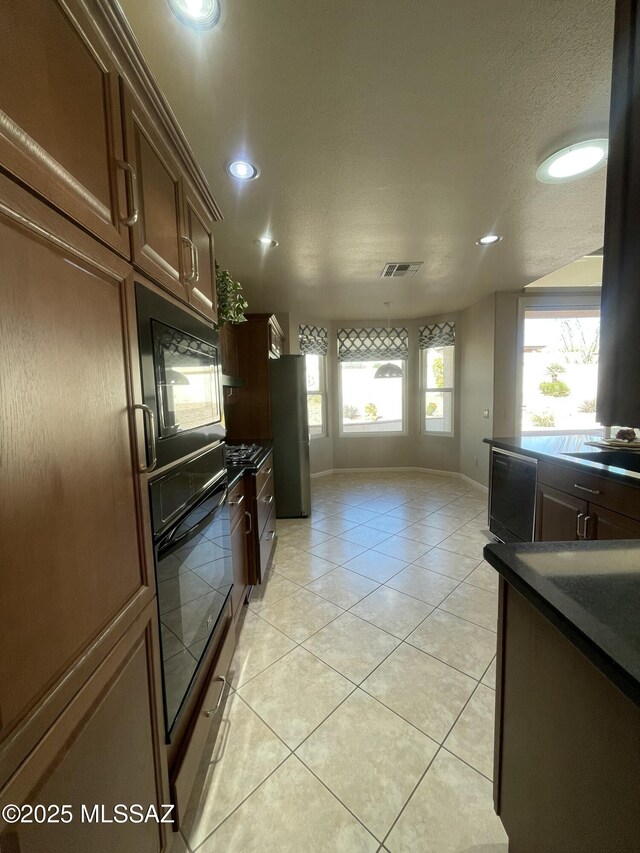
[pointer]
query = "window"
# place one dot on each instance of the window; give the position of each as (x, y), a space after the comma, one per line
(370, 404)
(437, 377)
(373, 366)
(316, 394)
(437, 370)
(559, 364)
(314, 347)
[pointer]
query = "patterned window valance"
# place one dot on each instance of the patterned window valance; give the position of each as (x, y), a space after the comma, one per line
(367, 344)
(313, 340)
(438, 335)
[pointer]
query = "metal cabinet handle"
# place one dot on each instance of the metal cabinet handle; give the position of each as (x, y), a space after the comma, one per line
(268, 499)
(267, 471)
(238, 502)
(270, 535)
(212, 711)
(132, 218)
(248, 515)
(585, 489)
(194, 275)
(578, 520)
(585, 529)
(151, 429)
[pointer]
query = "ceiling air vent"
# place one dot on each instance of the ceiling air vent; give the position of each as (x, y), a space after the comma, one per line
(405, 269)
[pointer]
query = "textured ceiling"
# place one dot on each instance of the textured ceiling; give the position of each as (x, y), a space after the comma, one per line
(388, 132)
(585, 272)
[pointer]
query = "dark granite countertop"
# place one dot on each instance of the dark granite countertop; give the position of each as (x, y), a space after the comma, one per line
(590, 591)
(554, 448)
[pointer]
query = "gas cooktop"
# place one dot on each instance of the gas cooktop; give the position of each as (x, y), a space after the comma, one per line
(242, 454)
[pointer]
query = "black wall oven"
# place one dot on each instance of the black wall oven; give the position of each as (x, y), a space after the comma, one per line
(194, 572)
(180, 365)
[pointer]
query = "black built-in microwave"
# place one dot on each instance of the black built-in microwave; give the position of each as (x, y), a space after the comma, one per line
(180, 366)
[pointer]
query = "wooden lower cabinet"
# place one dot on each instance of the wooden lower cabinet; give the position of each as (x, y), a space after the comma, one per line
(559, 516)
(563, 516)
(567, 747)
(103, 750)
(239, 533)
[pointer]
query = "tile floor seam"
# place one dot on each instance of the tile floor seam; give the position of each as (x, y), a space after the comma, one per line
(235, 809)
(477, 624)
(440, 748)
(333, 794)
(432, 655)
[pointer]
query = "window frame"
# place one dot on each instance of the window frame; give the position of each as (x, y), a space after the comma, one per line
(426, 389)
(320, 392)
(549, 300)
(374, 433)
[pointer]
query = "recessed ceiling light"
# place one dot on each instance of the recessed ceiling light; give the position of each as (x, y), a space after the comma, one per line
(243, 170)
(198, 14)
(574, 162)
(488, 240)
(267, 242)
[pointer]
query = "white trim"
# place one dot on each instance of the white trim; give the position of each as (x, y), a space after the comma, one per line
(407, 468)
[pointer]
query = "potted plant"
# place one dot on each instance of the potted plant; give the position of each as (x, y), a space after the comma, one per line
(231, 302)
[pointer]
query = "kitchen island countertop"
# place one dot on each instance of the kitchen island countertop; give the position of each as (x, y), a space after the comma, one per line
(590, 591)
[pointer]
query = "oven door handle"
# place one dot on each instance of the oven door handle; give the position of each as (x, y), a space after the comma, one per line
(168, 541)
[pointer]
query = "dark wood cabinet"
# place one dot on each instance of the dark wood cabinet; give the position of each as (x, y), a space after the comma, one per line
(567, 741)
(576, 504)
(60, 121)
(77, 564)
(258, 340)
(262, 539)
(103, 749)
(619, 358)
(240, 529)
(155, 198)
(200, 275)
(559, 516)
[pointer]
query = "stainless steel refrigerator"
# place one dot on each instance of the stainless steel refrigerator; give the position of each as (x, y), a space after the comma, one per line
(290, 430)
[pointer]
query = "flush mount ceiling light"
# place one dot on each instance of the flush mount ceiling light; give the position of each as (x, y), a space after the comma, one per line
(574, 162)
(267, 242)
(242, 170)
(488, 240)
(197, 14)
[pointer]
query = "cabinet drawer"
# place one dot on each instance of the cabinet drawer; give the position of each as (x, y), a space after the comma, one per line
(264, 473)
(594, 488)
(236, 501)
(265, 504)
(267, 543)
(205, 717)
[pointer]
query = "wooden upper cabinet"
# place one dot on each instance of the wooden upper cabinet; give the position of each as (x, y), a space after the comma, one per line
(60, 121)
(200, 263)
(619, 358)
(155, 200)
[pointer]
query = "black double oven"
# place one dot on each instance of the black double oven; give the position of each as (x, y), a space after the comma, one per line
(184, 432)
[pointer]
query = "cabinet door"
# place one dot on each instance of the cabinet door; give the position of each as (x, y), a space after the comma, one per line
(156, 193)
(240, 561)
(76, 565)
(559, 517)
(200, 263)
(604, 524)
(81, 760)
(619, 358)
(60, 123)
(229, 350)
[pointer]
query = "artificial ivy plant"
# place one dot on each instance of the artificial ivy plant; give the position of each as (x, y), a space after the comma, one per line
(231, 302)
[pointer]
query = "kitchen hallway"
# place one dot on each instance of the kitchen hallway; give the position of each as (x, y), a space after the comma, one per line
(361, 700)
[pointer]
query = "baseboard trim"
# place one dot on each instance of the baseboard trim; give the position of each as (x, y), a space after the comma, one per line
(407, 468)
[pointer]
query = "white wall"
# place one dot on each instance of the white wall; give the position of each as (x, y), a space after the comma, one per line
(477, 337)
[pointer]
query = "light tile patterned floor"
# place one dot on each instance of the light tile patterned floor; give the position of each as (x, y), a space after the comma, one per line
(360, 716)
